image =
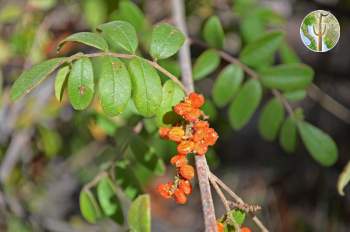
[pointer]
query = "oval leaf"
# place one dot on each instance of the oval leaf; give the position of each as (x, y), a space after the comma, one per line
(130, 12)
(271, 119)
(245, 104)
(147, 88)
(172, 94)
(81, 84)
(114, 85)
(89, 207)
(213, 33)
(120, 35)
(166, 41)
(139, 216)
(108, 199)
(288, 135)
(60, 81)
(343, 179)
(287, 77)
(227, 84)
(126, 179)
(295, 95)
(256, 52)
(88, 38)
(30, 78)
(205, 64)
(320, 145)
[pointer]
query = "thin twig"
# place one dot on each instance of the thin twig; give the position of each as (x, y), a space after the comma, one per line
(224, 200)
(201, 162)
(250, 72)
(329, 103)
(238, 199)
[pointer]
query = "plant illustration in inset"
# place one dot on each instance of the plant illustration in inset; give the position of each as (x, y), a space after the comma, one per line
(320, 31)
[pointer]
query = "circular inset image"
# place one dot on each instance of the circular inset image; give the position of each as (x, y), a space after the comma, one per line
(320, 31)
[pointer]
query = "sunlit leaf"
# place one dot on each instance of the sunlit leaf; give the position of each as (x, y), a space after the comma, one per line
(146, 87)
(256, 52)
(213, 33)
(88, 38)
(120, 35)
(139, 216)
(81, 84)
(205, 64)
(114, 85)
(30, 78)
(270, 120)
(60, 82)
(227, 84)
(244, 105)
(89, 207)
(344, 179)
(166, 41)
(320, 145)
(108, 199)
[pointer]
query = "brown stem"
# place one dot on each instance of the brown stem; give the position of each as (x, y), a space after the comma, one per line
(201, 162)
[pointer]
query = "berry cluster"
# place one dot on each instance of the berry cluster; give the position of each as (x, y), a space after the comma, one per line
(221, 228)
(192, 135)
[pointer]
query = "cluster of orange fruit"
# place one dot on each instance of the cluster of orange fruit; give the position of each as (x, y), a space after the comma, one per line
(221, 228)
(192, 135)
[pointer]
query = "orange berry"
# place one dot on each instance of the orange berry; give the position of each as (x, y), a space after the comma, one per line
(199, 134)
(163, 132)
(211, 136)
(196, 100)
(185, 147)
(245, 229)
(192, 115)
(200, 148)
(220, 227)
(201, 124)
(164, 190)
(182, 108)
(176, 133)
(187, 172)
(179, 160)
(185, 186)
(180, 196)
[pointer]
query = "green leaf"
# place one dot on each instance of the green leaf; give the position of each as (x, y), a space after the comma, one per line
(114, 85)
(205, 64)
(89, 207)
(343, 179)
(256, 52)
(95, 12)
(120, 35)
(271, 118)
(147, 88)
(60, 82)
(288, 135)
(287, 77)
(50, 141)
(244, 105)
(108, 199)
(320, 145)
(237, 215)
(251, 27)
(288, 56)
(81, 84)
(227, 84)
(129, 11)
(213, 33)
(166, 41)
(172, 94)
(88, 38)
(30, 78)
(295, 95)
(126, 179)
(139, 216)
(209, 109)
